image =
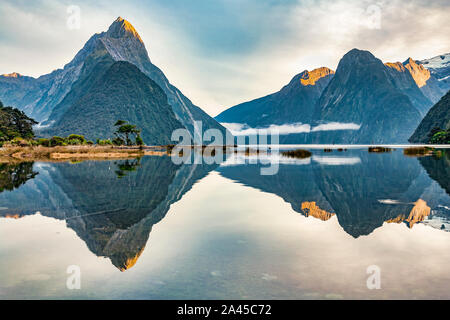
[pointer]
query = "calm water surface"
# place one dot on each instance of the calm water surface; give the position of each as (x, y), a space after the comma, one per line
(150, 229)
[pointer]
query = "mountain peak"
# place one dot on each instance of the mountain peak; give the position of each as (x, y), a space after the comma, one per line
(12, 75)
(359, 55)
(356, 58)
(418, 72)
(310, 77)
(410, 61)
(122, 28)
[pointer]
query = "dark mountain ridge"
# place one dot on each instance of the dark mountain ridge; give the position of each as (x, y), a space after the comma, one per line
(293, 103)
(437, 117)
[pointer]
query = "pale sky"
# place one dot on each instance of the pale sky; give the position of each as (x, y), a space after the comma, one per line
(224, 52)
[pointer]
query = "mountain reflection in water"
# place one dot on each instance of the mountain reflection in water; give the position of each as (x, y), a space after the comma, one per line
(356, 191)
(113, 205)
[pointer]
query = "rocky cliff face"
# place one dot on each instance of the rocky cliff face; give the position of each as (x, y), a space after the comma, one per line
(427, 82)
(404, 80)
(293, 103)
(363, 92)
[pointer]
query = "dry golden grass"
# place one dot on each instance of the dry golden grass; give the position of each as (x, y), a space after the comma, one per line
(68, 152)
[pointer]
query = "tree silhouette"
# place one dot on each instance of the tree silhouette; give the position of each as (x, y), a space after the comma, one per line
(124, 131)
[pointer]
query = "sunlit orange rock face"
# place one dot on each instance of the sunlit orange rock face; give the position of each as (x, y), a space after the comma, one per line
(12, 75)
(12, 216)
(418, 213)
(396, 65)
(130, 262)
(311, 209)
(310, 77)
(418, 72)
(122, 28)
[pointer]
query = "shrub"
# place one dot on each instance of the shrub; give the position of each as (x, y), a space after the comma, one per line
(139, 140)
(43, 142)
(105, 142)
(17, 141)
(57, 141)
(76, 139)
(299, 153)
(118, 141)
(441, 137)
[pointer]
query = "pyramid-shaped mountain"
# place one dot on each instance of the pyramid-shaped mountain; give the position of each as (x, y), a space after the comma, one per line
(48, 97)
(364, 92)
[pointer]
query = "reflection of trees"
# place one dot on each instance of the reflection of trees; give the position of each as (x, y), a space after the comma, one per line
(13, 175)
(127, 166)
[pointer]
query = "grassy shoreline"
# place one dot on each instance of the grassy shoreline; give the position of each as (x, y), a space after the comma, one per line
(84, 152)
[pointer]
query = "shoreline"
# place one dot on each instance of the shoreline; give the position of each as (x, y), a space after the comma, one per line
(65, 153)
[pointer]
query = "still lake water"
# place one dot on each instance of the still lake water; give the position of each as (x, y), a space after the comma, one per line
(151, 229)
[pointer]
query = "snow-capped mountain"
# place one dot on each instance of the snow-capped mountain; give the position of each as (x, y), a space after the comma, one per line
(439, 67)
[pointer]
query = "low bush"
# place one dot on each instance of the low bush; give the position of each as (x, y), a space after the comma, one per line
(298, 153)
(106, 142)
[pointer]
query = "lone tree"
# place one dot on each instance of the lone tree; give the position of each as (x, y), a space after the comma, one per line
(14, 123)
(124, 131)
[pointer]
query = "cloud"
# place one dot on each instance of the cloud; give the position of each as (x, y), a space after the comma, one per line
(336, 126)
(242, 129)
(336, 161)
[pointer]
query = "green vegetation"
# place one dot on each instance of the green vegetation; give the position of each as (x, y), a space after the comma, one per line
(71, 140)
(13, 175)
(14, 124)
(435, 127)
(299, 153)
(439, 136)
(127, 166)
(106, 142)
(124, 132)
